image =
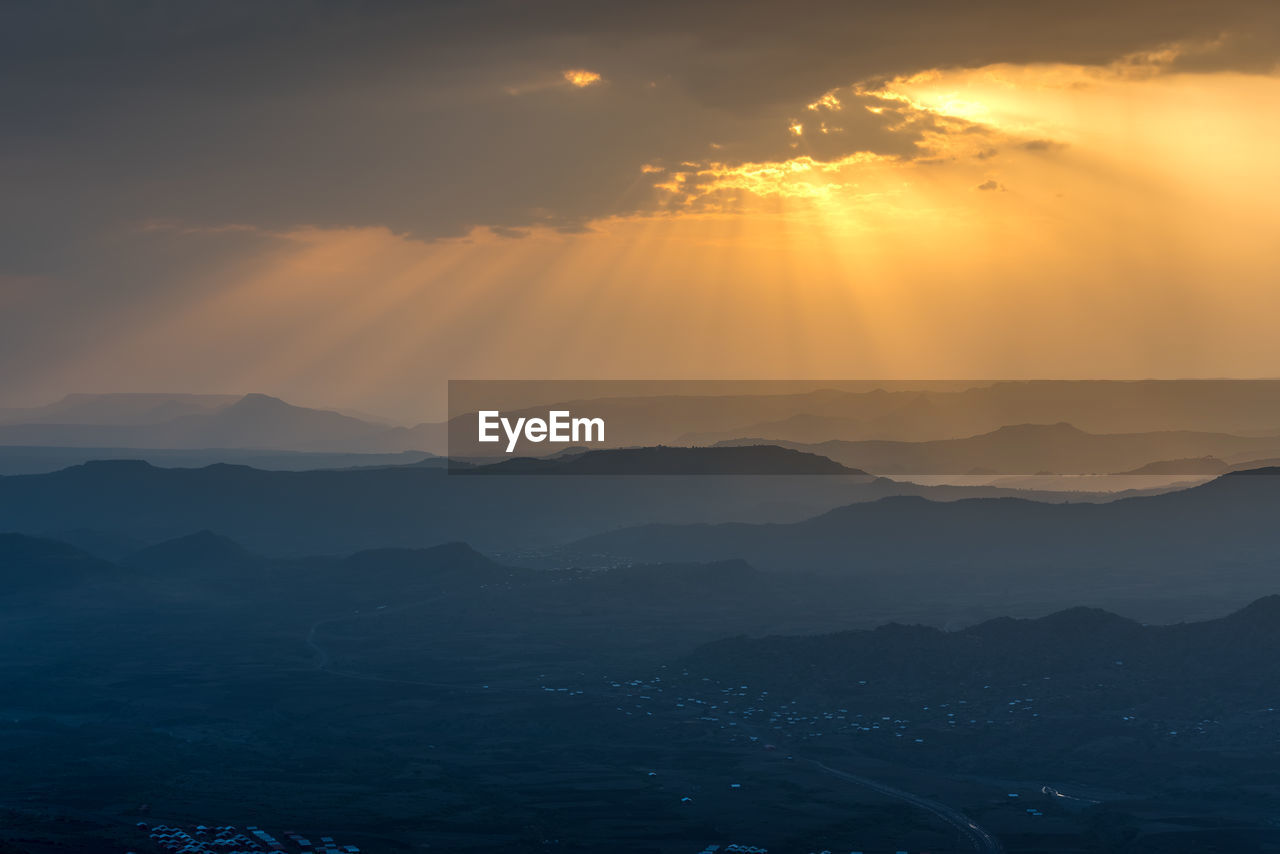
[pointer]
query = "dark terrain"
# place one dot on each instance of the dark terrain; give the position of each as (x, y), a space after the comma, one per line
(339, 511)
(1217, 540)
(437, 700)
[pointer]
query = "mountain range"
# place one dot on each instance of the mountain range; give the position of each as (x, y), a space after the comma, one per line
(1148, 422)
(1218, 537)
(104, 503)
(1241, 407)
(663, 460)
(252, 421)
(1045, 448)
(1073, 663)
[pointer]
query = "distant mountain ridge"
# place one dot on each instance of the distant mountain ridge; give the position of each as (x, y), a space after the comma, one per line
(129, 409)
(37, 563)
(1057, 448)
(1236, 651)
(663, 460)
(340, 510)
(200, 547)
(1199, 465)
(1245, 409)
(42, 459)
(251, 421)
(1241, 407)
(1218, 536)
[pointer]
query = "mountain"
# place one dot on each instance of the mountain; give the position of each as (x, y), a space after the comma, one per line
(927, 413)
(1249, 465)
(214, 594)
(258, 420)
(1218, 538)
(440, 677)
(30, 564)
(779, 413)
(254, 421)
(119, 409)
(663, 460)
(203, 548)
(1196, 465)
(343, 510)
(1034, 448)
(801, 427)
(41, 459)
(1128, 661)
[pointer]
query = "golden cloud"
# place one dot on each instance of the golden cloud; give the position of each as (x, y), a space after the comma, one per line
(581, 78)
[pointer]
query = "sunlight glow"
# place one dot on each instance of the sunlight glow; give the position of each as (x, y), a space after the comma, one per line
(580, 77)
(1136, 206)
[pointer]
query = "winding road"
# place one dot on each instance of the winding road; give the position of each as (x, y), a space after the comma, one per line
(981, 840)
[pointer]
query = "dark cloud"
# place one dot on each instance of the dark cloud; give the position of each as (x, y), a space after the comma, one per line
(989, 184)
(401, 114)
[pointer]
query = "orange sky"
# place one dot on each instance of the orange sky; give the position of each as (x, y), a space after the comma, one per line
(1049, 220)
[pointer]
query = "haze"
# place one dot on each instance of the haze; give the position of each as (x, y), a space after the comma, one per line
(347, 207)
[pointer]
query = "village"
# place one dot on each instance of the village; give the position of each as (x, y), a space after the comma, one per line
(228, 839)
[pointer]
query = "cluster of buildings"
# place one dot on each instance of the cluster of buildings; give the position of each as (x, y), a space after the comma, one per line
(229, 839)
(730, 707)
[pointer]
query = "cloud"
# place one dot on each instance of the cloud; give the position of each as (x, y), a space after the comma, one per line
(580, 78)
(401, 115)
(989, 184)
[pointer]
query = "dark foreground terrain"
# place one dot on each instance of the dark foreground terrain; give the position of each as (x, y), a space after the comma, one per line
(434, 700)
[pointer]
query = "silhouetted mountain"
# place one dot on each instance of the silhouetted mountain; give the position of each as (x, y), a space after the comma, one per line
(119, 409)
(663, 460)
(803, 427)
(108, 545)
(1253, 465)
(340, 511)
(924, 413)
(33, 459)
(1033, 448)
(1129, 662)
(1197, 465)
(254, 421)
(1212, 536)
(34, 563)
(203, 579)
(927, 412)
(203, 548)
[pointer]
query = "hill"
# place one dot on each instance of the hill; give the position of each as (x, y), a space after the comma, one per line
(1197, 465)
(119, 409)
(197, 422)
(36, 564)
(343, 510)
(203, 548)
(1207, 538)
(1033, 448)
(663, 460)
(1136, 663)
(42, 459)
(1241, 407)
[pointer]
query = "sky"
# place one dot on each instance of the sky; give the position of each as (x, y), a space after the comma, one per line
(347, 204)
